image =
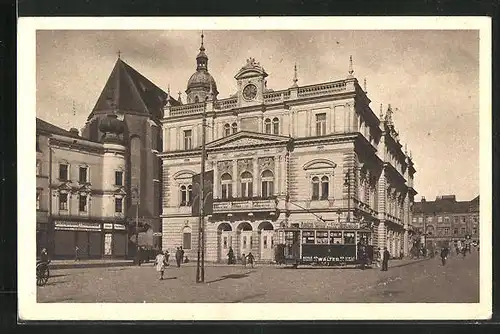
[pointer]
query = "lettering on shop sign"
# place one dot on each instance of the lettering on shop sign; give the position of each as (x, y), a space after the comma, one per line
(327, 258)
(119, 227)
(77, 225)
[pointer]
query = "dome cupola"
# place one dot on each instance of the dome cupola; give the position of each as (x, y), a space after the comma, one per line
(201, 84)
(112, 128)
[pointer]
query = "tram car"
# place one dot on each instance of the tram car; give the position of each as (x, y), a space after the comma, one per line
(324, 246)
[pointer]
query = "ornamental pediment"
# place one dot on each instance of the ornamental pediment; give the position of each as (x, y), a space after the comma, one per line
(247, 139)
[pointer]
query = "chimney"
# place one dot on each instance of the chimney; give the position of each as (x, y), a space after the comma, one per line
(74, 132)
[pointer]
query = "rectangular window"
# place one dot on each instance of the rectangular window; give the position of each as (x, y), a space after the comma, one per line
(462, 230)
(38, 144)
(227, 190)
(307, 237)
(38, 167)
(335, 237)
(455, 231)
(414, 219)
(474, 230)
(82, 207)
(82, 175)
(63, 201)
(186, 240)
(446, 219)
(322, 237)
(119, 178)
(118, 205)
(188, 139)
(429, 219)
(320, 124)
(440, 219)
(420, 219)
(38, 195)
(349, 238)
(463, 219)
(63, 172)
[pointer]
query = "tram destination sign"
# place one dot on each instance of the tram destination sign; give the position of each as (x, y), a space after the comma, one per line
(330, 224)
(328, 253)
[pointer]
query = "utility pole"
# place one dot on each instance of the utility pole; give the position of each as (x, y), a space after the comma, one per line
(347, 182)
(200, 267)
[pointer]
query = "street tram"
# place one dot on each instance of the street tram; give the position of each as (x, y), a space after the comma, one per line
(324, 246)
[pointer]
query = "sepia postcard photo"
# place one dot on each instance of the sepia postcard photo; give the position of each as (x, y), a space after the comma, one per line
(244, 168)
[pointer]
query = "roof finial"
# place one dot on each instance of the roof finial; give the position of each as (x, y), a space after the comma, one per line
(381, 112)
(388, 114)
(202, 47)
(74, 109)
(180, 97)
(364, 86)
(168, 95)
(406, 149)
(295, 78)
(351, 71)
(119, 54)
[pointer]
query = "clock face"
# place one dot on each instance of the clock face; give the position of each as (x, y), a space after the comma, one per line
(250, 91)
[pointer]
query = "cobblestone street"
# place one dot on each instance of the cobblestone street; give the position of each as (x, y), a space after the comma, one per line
(405, 282)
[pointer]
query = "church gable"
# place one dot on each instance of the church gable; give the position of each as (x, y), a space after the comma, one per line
(246, 138)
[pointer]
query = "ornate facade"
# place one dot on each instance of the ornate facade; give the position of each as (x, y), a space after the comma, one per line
(305, 155)
(80, 192)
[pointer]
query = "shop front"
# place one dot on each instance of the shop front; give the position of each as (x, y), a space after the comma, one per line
(115, 240)
(86, 236)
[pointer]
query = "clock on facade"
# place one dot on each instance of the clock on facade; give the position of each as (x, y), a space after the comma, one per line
(250, 91)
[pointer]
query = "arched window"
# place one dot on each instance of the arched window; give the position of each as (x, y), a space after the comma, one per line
(267, 125)
(276, 126)
(246, 185)
(227, 130)
(234, 128)
(324, 187)
(267, 183)
(196, 99)
(184, 196)
(226, 186)
(315, 188)
(190, 194)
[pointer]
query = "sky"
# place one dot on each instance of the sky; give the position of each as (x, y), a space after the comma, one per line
(430, 76)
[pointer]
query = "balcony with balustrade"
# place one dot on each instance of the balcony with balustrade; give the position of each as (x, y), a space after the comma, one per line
(247, 206)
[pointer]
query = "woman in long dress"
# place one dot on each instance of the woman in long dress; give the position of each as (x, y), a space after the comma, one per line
(160, 264)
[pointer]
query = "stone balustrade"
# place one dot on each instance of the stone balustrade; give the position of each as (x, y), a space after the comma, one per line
(250, 205)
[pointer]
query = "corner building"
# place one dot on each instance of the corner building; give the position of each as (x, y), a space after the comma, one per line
(303, 156)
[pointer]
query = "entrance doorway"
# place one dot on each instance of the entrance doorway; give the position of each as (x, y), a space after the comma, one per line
(225, 240)
(245, 239)
(266, 230)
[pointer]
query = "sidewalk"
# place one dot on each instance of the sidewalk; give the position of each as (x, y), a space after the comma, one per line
(103, 263)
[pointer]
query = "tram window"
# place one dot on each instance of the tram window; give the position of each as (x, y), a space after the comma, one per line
(308, 237)
(349, 238)
(335, 237)
(321, 237)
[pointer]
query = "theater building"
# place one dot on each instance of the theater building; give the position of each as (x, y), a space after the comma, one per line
(80, 195)
(301, 156)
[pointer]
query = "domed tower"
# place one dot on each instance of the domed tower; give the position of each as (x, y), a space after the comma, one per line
(201, 82)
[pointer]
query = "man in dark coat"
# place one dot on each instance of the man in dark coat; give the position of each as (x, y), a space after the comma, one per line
(182, 254)
(230, 256)
(385, 259)
(444, 255)
(178, 257)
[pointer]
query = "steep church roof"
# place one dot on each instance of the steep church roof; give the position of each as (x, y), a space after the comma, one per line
(128, 91)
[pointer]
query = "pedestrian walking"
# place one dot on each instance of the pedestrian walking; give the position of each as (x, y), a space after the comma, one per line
(230, 256)
(167, 257)
(444, 255)
(178, 257)
(385, 259)
(77, 253)
(464, 251)
(250, 258)
(182, 253)
(160, 263)
(244, 260)
(378, 258)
